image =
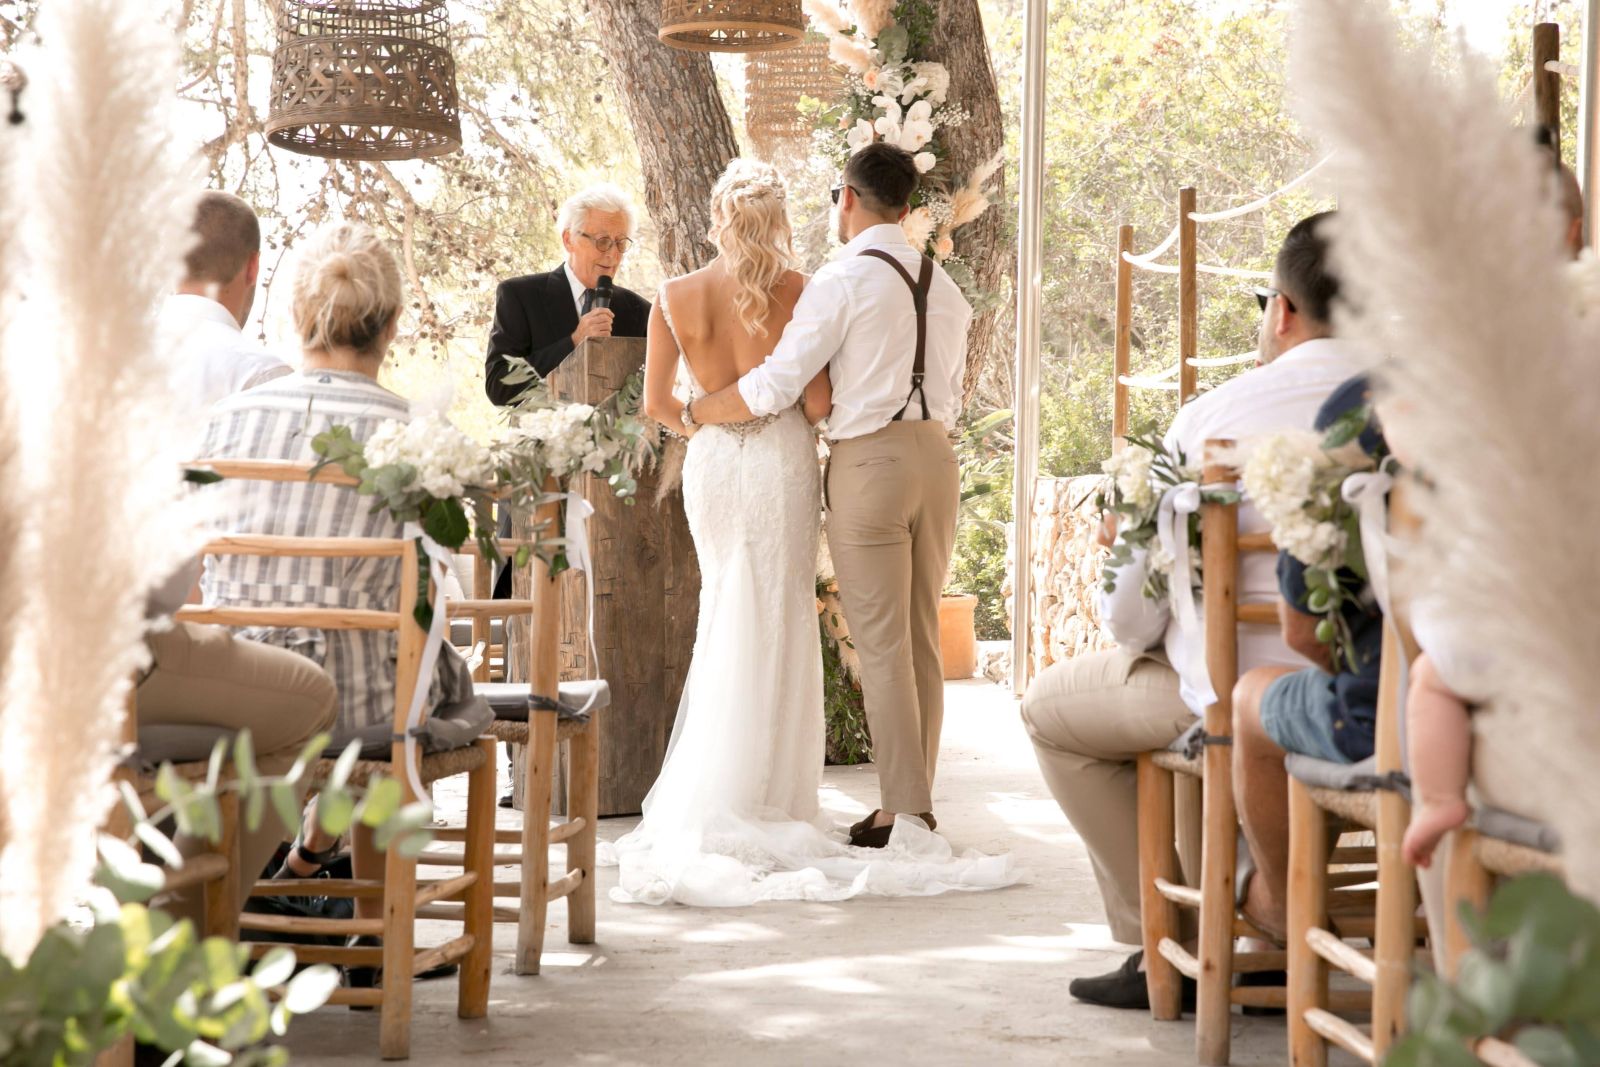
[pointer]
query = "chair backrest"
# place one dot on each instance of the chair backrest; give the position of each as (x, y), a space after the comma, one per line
(1221, 549)
(399, 619)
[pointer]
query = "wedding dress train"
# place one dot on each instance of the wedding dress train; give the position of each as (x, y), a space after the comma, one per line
(733, 818)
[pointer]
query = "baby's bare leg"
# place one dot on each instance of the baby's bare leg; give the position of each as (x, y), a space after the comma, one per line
(1439, 737)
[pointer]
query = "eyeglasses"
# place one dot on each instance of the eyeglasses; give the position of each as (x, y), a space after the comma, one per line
(606, 244)
(1264, 294)
(833, 193)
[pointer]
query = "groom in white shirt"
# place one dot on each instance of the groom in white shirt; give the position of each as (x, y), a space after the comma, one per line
(891, 327)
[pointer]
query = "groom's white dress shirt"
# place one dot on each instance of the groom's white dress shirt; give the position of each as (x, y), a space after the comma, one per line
(1284, 395)
(856, 317)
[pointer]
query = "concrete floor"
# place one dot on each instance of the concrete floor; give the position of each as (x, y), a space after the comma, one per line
(958, 979)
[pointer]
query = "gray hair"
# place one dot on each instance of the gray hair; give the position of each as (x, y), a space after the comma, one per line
(574, 213)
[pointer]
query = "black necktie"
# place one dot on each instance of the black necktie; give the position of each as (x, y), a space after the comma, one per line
(588, 302)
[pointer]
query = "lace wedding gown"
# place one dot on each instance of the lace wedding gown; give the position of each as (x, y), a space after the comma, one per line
(733, 818)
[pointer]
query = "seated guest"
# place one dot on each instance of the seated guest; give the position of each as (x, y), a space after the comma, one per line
(542, 317)
(1091, 716)
(205, 318)
(346, 305)
(205, 676)
(1328, 710)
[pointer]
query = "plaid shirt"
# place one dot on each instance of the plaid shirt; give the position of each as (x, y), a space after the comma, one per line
(276, 421)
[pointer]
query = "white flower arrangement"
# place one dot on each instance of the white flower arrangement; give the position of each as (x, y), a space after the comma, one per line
(445, 460)
(1137, 478)
(1296, 482)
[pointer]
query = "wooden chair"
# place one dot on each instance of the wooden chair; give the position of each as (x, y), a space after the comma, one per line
(1161, 891)
(540, 729)
(216, 867)
(400, 892)
(1368, 795)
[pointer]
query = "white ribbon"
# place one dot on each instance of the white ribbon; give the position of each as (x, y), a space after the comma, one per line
(1172, 532)
(439, 565)
(579, 556)
(1368, 492)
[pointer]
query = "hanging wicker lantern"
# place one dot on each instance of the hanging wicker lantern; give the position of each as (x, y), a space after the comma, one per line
(775, 82)
(731, 25)
(364, 79)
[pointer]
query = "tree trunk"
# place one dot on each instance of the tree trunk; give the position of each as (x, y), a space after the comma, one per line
(960, 44)
(680, 125)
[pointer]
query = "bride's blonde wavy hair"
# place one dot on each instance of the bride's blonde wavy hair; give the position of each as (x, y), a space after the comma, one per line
(750, 227)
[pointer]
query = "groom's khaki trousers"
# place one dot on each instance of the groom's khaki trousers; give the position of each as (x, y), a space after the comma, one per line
(892, 498)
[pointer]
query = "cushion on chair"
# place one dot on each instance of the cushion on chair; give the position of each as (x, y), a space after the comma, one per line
(461, 632)
(509, 700)
(160, 744)
(1325, 774)
(1517, 829)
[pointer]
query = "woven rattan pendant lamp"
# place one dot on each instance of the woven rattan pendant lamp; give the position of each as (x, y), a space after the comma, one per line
(775, 83)
(364, 79)
(731, 25)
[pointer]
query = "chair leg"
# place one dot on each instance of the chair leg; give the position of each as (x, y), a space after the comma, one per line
(1396, 939)
(222, 895)
(1158, 915)
(583, 802)
(1307, 907)
(1218, 853)
(472, 998)
(399, 953)
(541, 762)
(1466, 883)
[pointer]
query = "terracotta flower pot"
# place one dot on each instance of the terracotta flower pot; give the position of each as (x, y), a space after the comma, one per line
(958, 643)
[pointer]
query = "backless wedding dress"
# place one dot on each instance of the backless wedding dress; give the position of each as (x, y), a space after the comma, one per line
(733, 818)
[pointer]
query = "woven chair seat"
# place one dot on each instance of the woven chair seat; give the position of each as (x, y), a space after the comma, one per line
(1178, 763)
(1360, 808)
(434, 767)
(516, 733)
(1326, 774)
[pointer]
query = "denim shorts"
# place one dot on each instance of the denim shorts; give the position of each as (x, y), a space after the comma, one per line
(1298, 710)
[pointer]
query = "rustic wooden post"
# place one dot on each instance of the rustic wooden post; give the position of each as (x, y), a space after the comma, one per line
(646, 597)
(1123, 338)
(1547, 83)
(1188, 298)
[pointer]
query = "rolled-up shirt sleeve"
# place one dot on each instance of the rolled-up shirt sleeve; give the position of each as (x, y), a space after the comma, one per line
(812, 338)
(1134, 621)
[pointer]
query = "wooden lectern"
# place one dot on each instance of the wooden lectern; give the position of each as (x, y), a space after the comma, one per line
(646, 597)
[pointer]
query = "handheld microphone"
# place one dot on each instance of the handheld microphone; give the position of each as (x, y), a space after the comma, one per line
(602, 293)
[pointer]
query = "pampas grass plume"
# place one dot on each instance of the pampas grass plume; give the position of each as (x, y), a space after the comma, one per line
(1449, 243)
(827, 16)
(109, 210)
(873, 16)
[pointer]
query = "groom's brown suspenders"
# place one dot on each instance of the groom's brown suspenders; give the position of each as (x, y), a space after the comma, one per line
(919, 297)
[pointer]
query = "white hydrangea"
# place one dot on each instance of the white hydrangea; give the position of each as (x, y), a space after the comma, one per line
(1131, 470)
(1281, 477)
(564, 439)
(927, 79)
(445, 459)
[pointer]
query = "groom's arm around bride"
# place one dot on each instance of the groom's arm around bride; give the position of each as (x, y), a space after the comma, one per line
(891, 327)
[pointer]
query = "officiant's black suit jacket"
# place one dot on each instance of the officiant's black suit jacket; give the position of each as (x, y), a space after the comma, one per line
(534, 318)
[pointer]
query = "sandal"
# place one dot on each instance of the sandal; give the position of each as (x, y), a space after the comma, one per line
(320, 860)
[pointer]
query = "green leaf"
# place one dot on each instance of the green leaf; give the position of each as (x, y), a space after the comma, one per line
(287, 805)
(123, 872)
(157, 842)
(201, 476)
(274, 969)
(244, 759)
(310, 989)
(1548, 1047)
(200, 1054)
(335, 809)
(446, 523)
(345, 764)
(312, 751)
(382, 801)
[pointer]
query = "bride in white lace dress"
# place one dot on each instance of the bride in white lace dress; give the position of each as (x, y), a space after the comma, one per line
(733, 818)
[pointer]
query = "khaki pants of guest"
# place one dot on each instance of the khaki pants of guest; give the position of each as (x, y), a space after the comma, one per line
(892, 499)
(204, 676)
(1089, 717)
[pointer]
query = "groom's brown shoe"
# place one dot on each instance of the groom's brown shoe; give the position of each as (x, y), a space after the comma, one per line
(864, 835)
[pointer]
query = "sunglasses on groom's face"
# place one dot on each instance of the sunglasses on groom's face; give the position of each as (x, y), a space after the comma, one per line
(833, 194)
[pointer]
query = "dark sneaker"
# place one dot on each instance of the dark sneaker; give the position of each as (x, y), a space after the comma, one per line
(1124, 988)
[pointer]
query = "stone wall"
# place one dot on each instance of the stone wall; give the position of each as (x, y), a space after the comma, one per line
(1066, 570)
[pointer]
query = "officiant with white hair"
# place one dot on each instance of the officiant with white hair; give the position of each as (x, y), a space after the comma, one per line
(543, 318)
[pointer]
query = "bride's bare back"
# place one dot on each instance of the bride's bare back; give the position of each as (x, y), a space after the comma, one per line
(716, 345)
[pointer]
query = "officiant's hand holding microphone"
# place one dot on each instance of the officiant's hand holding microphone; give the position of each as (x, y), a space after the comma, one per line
(599, 319)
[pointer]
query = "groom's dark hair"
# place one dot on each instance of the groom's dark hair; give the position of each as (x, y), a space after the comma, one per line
(882, 175)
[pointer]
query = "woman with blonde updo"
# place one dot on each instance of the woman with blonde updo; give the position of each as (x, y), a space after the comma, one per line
(346, 303)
